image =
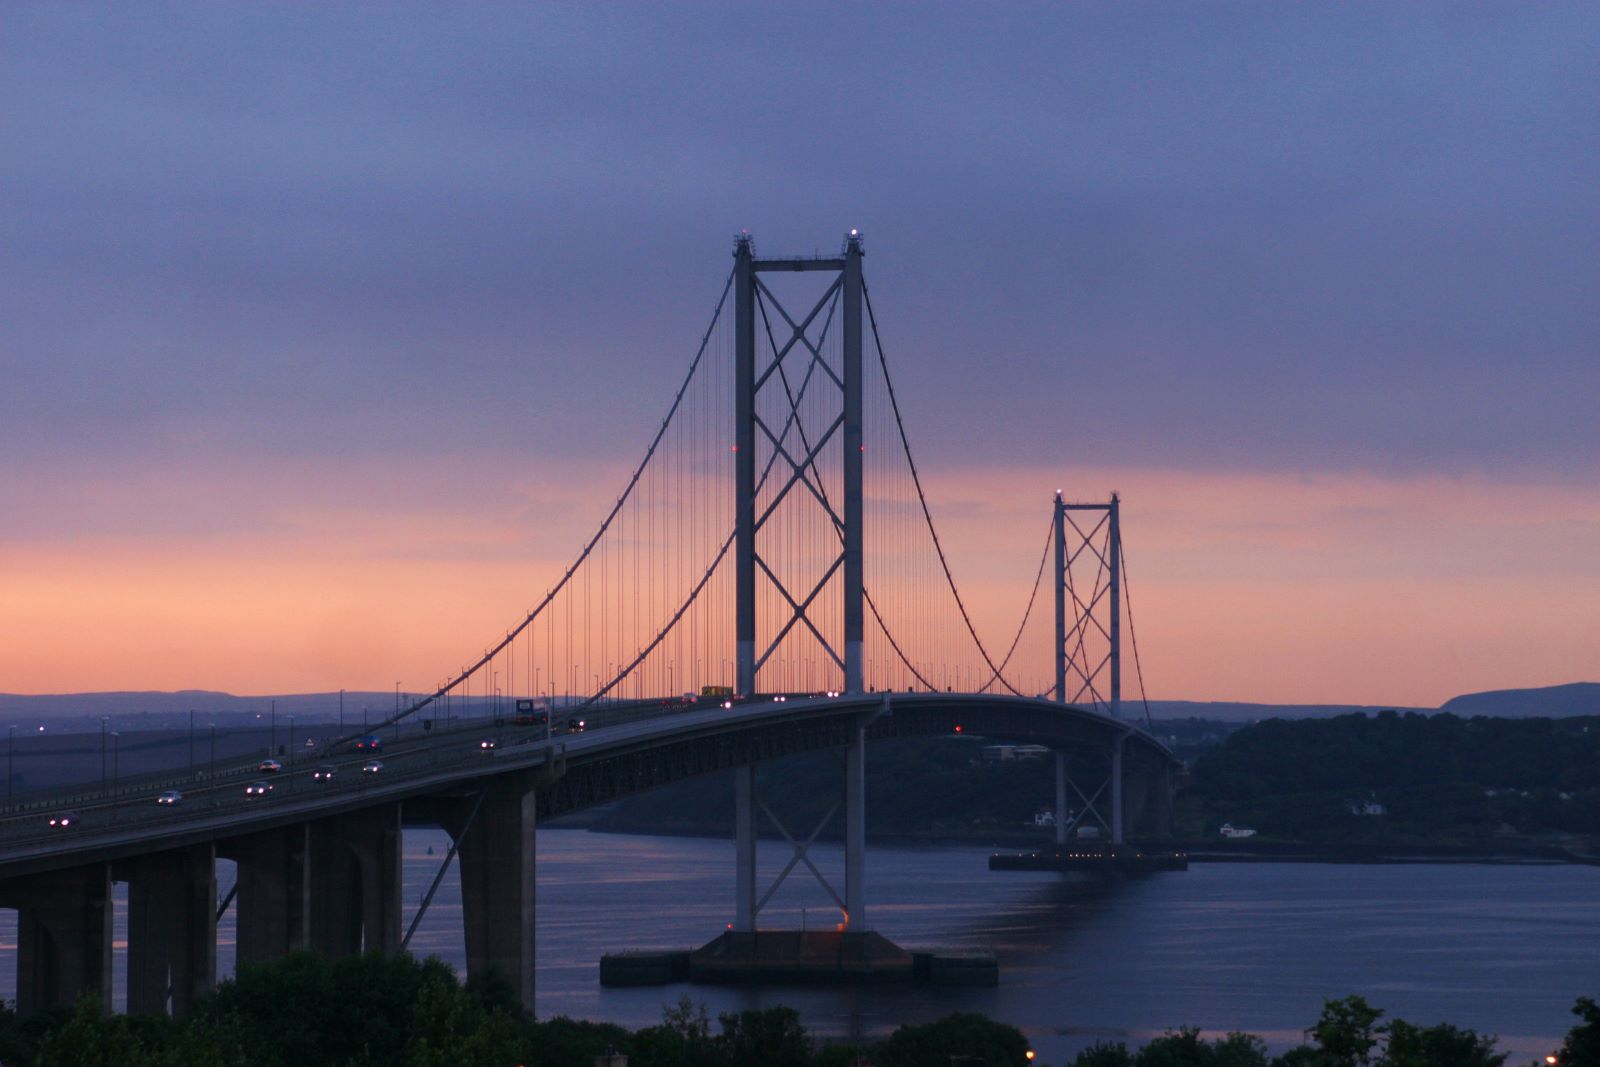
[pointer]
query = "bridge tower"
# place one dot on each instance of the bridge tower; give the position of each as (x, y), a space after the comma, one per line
(1083, 673)
(751, 383)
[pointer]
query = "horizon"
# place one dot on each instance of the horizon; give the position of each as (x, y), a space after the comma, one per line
(333, 333)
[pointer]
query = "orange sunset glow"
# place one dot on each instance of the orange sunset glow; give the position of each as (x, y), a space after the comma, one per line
(1251, 587)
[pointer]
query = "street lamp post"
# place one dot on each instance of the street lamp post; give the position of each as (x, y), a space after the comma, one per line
(291, 741)
(116, 747)
(191, 742)
(341, 711)
(213, 751)
(104, 719)
(11, 740)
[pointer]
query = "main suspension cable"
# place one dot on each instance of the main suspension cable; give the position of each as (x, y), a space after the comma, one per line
(1133, 635)
(605, 525)
(916, 480)
(1038, 580)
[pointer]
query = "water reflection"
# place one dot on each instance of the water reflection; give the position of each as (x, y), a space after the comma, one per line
(1504, 950)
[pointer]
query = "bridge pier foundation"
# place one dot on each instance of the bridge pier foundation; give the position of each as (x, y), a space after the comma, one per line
(172, 928)
(497, 855)
(63, 936)
(274, 898)
(355, 882)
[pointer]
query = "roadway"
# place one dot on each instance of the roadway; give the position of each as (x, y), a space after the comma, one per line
(449, 757)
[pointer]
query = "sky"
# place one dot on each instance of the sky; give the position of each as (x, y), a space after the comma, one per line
(328, 332)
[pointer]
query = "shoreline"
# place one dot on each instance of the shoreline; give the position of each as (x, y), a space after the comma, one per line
(1197, 852)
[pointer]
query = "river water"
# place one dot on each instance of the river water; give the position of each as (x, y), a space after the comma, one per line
(1501, 949)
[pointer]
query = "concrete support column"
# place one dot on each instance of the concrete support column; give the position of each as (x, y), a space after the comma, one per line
(855, 833)
(1138, 784)
(274, 898)
(744, 848)
(1061, 797)
(1160, 803)
(497, 855)
(1116, 790)
(63, 936)
(355, 880)
(172, 928)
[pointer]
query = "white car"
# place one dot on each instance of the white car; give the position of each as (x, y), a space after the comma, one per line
(372, 766)
(171, 796)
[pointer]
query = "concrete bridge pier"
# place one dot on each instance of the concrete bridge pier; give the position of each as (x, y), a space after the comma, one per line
(172, 928)
(1150, 800)
(274, 898)
(355, 882)
(63, 936)
(497, 853)
(1162, 792)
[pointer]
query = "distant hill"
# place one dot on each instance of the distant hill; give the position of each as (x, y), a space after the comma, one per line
(1237, 711)
(1553, 702)
(1560, 701)
(206, 702)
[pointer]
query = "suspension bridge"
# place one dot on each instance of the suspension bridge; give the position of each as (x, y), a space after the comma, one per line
(770, 580)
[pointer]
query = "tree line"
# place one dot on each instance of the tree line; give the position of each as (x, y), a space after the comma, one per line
(1440, 779)
(397, 1011)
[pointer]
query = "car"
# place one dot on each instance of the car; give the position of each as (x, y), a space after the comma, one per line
(171, 796)
(325, 772)
(258, 789)
(372, 766)
(65, 820)
(268, 766)
(577, 726)
(369, 743)
(488, 744)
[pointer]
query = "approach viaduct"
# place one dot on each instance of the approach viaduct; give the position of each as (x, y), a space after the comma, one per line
(318, 862)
